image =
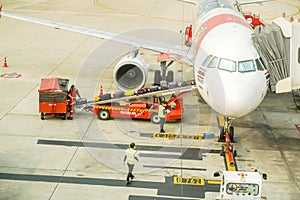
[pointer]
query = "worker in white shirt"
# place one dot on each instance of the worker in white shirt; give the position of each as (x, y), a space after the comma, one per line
(162, 115)
(130, 157)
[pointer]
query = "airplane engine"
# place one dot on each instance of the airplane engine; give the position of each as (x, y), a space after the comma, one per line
(130, 73)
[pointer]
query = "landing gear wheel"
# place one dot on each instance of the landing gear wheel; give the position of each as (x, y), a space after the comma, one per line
(154, 118)
(42, 116)
(170, 76)
(157, 77)
(222, 134)
(103, 115)
(231, 134)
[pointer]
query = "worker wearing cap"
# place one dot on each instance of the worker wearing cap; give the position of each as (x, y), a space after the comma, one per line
(130, 157)
(162, 115)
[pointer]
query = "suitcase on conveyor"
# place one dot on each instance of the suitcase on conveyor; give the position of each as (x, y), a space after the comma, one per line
(129, 93)
(173, 84)
(143, 90)
(118, 94)
(104, 97)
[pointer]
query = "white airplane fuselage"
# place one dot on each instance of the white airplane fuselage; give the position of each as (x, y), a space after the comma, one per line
(228, 72)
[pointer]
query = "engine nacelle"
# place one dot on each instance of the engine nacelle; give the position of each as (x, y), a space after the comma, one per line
(130, 73)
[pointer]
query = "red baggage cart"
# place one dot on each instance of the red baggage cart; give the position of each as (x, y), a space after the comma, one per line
(53, 97)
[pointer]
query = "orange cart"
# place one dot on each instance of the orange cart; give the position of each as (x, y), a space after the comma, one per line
(53, 97)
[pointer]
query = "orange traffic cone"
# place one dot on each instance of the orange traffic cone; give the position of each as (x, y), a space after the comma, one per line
(4, 63)
(101, 90)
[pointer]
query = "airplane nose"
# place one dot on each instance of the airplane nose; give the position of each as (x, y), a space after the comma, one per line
(240, 99)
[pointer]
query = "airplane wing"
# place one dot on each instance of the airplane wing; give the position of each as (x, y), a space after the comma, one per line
(161, 47)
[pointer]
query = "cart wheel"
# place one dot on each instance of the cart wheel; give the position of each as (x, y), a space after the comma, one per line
(42, 116)
(103, 114)
(154, 118)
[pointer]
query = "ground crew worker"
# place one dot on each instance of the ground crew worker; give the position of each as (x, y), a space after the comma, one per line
(162, 115)
(70, 107)
(73, 91)
(130, 157)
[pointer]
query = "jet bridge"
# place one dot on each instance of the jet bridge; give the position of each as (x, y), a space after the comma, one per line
(278, 44)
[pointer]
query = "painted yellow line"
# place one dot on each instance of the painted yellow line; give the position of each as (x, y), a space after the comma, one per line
(220, 120)
(182, 136)
(96, 2)
(185, 180)
(214, 182)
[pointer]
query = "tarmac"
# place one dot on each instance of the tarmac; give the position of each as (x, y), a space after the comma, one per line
(57, 159)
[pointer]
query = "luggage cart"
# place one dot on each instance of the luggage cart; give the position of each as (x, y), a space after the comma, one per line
(53, 99)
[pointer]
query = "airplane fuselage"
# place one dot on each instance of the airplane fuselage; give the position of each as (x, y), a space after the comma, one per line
(227, 68)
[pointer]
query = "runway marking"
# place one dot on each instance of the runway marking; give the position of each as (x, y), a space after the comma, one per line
(181, 168)
(10, 75)
(97, 3)
(293, 5)
(188, 180)
(182, 136)
(197, 181)
(166, 188)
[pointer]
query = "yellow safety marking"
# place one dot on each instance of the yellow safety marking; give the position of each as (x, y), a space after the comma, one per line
(214, 182)
(96, 2)
(182, 136)
(220, 120)
(185, 180)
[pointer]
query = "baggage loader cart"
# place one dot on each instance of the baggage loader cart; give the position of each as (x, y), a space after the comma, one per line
(53, 99)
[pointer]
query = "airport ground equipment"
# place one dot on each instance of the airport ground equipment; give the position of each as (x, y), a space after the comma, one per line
(140, 109)
(238, 185)
(53, 97)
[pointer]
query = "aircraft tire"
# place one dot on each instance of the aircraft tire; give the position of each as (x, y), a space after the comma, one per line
(231, 134)
(222, 134)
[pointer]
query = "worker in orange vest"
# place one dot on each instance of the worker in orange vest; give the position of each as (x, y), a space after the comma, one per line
(73, 91)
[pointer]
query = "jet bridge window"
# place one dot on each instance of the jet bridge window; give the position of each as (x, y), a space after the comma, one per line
(246, 66)
(210, 62)
(228, 65)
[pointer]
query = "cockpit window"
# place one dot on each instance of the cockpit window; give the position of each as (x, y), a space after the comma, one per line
(246, 66)
(213, 63)
(207, 60)
(227, 65)
(210, 62)
(259, 65)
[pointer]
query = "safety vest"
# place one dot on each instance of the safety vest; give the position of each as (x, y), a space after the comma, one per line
(131, 154)
(73, 92)
(161, 111)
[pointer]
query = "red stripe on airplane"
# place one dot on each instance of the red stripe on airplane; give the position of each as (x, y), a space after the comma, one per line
(216, 21)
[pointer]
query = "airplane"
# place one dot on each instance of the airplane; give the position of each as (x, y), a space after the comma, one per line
(228, 71)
